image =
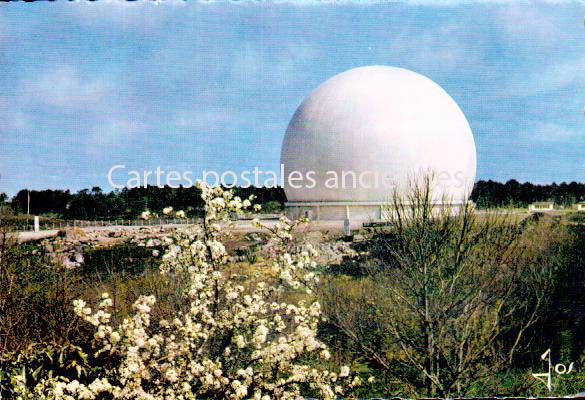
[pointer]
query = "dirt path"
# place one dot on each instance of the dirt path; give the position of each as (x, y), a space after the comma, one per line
(243, 226)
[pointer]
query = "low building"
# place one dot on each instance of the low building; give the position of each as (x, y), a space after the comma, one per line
(541, 206)
(581, 206)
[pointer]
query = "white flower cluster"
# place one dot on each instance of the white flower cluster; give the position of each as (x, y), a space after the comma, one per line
(167, 212)
(145, 215)
(234, 342)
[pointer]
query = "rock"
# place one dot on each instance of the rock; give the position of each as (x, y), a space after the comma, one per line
(68, 264)
(153, 242)
(78, 257)
(72, 234)
(256, 236)
(252, 237)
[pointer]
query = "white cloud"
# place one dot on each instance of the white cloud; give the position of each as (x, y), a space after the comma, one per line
(116, 130)
(554, 133)
(276, 66)
(12, 119)
(99, 112)
(135, 15)
(4, 30)
(111, 134)
(521, 21)
(446, 46)
(547, 46)
(64, 87)
(202, 120)
(552, 77)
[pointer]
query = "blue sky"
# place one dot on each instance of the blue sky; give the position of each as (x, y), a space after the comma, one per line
(191, 86)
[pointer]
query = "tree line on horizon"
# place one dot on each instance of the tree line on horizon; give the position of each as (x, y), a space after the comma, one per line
(94, 203)
(491, 194)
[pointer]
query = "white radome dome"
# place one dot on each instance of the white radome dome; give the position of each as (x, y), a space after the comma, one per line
(391, 121)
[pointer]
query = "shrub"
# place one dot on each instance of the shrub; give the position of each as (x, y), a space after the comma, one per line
(226, 344)
(444, 301)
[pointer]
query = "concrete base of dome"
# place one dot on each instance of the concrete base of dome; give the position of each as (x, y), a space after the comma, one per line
(352, 210)
(334, 210)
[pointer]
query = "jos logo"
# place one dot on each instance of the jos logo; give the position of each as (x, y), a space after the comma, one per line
(559, 369)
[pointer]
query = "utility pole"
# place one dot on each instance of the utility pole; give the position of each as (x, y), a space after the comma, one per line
(28, 205)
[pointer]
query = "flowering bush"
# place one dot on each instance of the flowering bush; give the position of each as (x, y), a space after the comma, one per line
(231, 342)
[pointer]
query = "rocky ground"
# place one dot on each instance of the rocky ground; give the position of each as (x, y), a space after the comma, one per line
(244, 240)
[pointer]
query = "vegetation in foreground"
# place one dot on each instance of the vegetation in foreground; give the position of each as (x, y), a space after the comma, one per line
(443, 305)
(434, 305)
(228, 339)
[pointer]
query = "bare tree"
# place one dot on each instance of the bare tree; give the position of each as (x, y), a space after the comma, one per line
(448, 298)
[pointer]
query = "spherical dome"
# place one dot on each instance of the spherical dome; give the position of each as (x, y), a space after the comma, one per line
(381, 129)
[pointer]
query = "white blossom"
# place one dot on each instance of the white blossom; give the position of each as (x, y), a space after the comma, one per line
(231, 341)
